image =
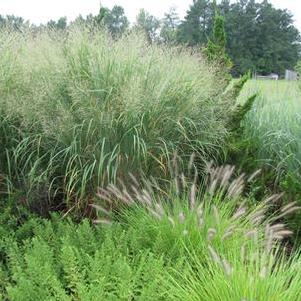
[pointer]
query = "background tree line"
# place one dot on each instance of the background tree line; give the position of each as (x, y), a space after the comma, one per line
(259, 37)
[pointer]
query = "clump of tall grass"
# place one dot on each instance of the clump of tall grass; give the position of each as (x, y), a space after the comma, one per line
(225, 248)
(215, 209)
(79, 110)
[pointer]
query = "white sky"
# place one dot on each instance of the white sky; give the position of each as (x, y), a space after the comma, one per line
(41, 11)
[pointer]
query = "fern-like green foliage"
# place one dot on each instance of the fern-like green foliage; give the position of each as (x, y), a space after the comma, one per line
(216, 46)
(240, 112)
(216, 52)
(65, 261)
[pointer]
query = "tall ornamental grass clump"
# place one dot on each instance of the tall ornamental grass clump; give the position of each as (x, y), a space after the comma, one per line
(79, 109)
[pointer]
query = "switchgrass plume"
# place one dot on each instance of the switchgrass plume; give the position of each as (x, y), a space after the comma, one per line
(81, 110)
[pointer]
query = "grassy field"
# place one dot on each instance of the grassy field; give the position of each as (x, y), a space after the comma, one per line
(122, 132)
(273, 126)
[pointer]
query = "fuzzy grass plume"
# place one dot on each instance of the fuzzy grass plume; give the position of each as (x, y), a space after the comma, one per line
(229, 248)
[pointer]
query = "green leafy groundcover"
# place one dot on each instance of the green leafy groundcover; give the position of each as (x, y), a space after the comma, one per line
(60, 260)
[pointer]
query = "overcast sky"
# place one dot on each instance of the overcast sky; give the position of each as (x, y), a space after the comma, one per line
(41, 11)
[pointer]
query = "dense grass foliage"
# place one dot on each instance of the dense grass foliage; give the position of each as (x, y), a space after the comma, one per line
(79, 110)
(99, 127)
(195, 245)
(273, 128)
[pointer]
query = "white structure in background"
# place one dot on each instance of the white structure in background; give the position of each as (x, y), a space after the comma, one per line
(272, 76)
(291, 75)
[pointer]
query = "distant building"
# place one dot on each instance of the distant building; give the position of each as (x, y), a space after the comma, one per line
(291, 75)
(272, 76)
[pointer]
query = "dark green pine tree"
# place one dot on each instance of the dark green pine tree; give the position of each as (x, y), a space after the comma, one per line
(114, 20)
(260, 37)
(278, 46)
(170, 23)
(198, 23)
(12, 22)
(148, 24)
(60, 24)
